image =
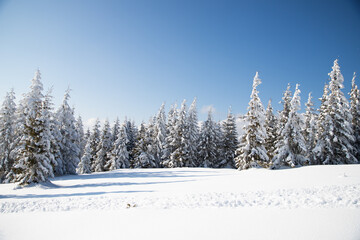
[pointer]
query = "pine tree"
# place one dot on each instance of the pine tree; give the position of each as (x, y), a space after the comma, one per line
(85, 162)
(143, 157)
(94, 142)
(219, 141)
(323, 150)
(32, 163)
(284, 114)
(342, 138)
(192, 136)
(271, 124)
(103, 149)
(207, 143)
(231, 142)
(132, 135)
(160, 135)
(251, 151)
(7, 134)
(81, 141)
(309, 132)
(171, 134)
(179, 143)
(291, 149)
(119, 156)
(355, 114)
(69, 148)
(115, 131)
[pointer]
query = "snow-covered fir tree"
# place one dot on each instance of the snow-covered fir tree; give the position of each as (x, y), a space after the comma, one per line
(81, 141)
(160, 135)
(7, 133)
(69, 148)
(94, 142)
(251, 151)
(355, 114)
(32, 163)
(230, 141)
(119, 156)
(142, 153)
(179, 143)
(219, 141)
(192, 136)
(341, 137)
(271, 124)
(171, 135)
(132, 135)
(322, 151)
(85, 162)
(103, 149)
(291, 149)
(284, 114)
(207, 143)
(115, 131)
(309, 131)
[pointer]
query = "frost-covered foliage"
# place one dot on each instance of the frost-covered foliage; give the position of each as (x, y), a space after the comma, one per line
(94, 142)
(207, 143)
(251, 151)
(355, 114)
(119, 156)
(309, 131)
(103, 149)
(171, 137)
(7, 133)
(340, 132)
(142, 151)
(132, 134)
(85, 162)
(81, 141)
(69, 144)
(291, 149)
(159, 135)
(32, 162)
(271, 124)
(192, 136)
(229, 141)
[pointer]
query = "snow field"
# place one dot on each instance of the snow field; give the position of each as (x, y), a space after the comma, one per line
(314, 202)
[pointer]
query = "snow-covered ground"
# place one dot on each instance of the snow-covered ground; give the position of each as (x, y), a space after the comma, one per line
(314, 202)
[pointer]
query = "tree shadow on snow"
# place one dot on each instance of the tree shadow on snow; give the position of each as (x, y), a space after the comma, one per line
(26, 196)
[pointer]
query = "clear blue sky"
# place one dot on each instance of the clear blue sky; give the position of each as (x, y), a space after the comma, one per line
(127, 57)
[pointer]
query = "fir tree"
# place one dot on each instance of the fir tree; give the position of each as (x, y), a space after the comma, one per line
(85, 162)
(355, 114)
(143, 157)
(342, 137)
(81, 141)
(94, 142)
(252, 152)
(179, 143)
(7, 134)
(160, 135)
(103, 149)
(69, 148)
(207, 143)
(170, 137)
(309, 132)
(192, 136)
(271, 124)
(230, 142)
(323, 151)
(291, 149)
(32, 163)
(132, 135)
(119, 156)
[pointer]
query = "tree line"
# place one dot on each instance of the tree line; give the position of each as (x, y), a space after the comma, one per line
(38, 142)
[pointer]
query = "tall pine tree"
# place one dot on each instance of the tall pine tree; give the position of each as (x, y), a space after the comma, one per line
(252, 152)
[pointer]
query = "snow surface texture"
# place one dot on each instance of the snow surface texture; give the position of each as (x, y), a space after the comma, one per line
(314, 202)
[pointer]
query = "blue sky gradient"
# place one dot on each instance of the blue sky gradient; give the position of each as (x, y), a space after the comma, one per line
(124, 58)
